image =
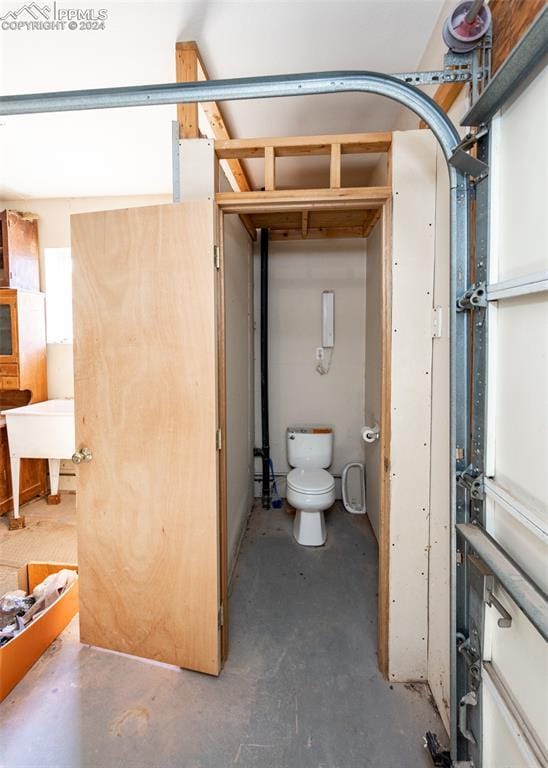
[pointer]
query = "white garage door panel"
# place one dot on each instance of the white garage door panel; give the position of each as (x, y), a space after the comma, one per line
(528, 548)
(514, 685)
(520, 656)
(521, 399)
(521, 181)
(504, 750)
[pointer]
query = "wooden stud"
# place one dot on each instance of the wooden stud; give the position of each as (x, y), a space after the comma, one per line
(186, 71)
(215, 128)
(16, 523)
(304, 225)
(269, 169)
(53, 498)
(335, 167)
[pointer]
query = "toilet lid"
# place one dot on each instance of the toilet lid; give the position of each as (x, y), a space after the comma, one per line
(310, 480)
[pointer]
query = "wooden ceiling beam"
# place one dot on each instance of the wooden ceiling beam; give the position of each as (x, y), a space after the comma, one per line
(189, 68)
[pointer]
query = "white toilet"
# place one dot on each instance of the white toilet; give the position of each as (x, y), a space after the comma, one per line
(310, 488)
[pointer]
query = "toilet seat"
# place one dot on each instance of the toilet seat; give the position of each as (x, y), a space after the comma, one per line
(310, 481)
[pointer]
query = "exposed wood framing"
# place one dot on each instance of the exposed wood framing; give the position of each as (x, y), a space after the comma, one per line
(294, 146)
(279, 200)
(190, 67)
(511, 20)
(269, 169)
(186, 71)
(335, 167)
(317, 233)
(308, 222)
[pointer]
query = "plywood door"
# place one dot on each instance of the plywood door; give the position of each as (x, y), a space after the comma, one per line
(146, 405)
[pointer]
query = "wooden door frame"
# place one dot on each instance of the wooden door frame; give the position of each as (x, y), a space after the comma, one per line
(383, 600)
(222, 421)
(384, 447)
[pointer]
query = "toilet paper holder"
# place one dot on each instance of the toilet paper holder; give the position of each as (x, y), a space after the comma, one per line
(371, 434)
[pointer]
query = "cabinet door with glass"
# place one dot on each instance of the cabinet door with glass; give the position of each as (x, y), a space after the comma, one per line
(8, 332)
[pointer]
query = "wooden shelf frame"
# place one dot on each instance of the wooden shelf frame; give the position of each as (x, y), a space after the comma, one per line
(334, 145)
(310, 214)
(298, 214)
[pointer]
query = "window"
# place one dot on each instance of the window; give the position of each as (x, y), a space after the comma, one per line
(58, 275)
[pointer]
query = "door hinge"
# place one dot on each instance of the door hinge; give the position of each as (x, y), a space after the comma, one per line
(217, 256)
(475, 296)
(221, 616)
(437, 322)
(219, 440)
(472, 480)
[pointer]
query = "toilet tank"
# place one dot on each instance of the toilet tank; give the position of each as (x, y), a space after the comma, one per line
(310, 447)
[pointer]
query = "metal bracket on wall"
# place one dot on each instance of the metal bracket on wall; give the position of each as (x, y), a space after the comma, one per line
(435, 77)
(471, 479)
(469, 648)
(475, 296)
(467, 163)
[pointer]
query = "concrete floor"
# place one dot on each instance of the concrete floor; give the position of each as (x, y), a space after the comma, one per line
(301, 688)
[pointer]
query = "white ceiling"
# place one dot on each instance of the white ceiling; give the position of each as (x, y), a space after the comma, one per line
(119, 152)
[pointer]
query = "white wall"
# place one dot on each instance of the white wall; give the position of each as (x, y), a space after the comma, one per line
(414, 197)
(238, 267)
(299, 272)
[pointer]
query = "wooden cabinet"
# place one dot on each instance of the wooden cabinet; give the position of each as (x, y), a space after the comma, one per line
(19, 255)
(23, 344)
(23, 380)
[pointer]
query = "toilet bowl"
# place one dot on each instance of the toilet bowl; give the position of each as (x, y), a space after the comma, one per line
(310, 488)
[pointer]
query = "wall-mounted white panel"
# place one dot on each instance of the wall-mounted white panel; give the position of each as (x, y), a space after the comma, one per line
(413, 253)
(521, 407)
(522, 182)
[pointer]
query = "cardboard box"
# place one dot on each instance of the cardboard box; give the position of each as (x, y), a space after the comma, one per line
(18, 656)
